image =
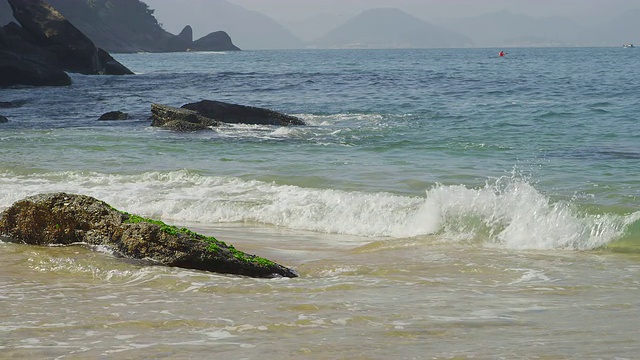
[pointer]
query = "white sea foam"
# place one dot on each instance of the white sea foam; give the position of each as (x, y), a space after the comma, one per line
(508, 213)
(513, 214)
(350, 118)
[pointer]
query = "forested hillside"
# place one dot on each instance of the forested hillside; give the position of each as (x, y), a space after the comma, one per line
(122, 26)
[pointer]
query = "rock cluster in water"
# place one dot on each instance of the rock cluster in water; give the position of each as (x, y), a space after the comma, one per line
(45, 45)
(66, 219)
(207, 113)
(9, 104)
(177, 119)
(241, 114)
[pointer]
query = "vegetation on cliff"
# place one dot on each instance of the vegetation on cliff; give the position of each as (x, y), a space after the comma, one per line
(45, 45)
(125, 26)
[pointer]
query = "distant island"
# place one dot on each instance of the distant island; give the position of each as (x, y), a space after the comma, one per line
(126, 26)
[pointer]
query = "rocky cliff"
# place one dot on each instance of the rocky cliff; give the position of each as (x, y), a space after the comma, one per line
(45, 45)
(130, 26)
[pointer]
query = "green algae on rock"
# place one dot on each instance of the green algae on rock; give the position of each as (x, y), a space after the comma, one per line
(65, 219)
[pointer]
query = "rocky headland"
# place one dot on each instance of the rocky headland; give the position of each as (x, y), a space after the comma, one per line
(46, 45)
(127, 26)
(68, 219)
(61, 36)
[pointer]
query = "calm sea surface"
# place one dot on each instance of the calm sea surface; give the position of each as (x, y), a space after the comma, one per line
(440, 204)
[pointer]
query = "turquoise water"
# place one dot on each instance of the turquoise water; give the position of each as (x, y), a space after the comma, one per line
(444, 204)
(440, 135)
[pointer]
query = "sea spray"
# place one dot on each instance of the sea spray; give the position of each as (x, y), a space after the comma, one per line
(508, 212)
(512, 213)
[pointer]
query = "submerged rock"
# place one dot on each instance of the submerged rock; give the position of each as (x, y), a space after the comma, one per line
(177, 119)
(3, 119)
(241, 114)
(12, 104)
(65, 219)
(114, 115)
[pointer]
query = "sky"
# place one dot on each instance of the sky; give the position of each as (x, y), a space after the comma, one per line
(310, 19)
(583, 10)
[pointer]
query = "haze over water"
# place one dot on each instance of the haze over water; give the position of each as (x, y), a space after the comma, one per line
(283, 24)
(439, 204)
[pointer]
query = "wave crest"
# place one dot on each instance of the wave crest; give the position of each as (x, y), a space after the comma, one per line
(508, 212)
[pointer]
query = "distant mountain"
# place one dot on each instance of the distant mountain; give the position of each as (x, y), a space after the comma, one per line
(315, 26)
(390, 28)
(118, 26)
(505, 28)
(248, 29)
(533, 41)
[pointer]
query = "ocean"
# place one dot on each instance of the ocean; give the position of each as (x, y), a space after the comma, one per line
(439, 204)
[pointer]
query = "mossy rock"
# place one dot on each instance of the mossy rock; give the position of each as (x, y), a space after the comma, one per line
(65, 219)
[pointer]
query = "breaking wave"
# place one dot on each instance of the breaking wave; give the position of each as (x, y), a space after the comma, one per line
(508, 212)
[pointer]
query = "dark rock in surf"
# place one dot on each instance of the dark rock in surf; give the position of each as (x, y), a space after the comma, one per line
(110, 66)
(66, 219)
(3, 119)
(72, 49)
(12, 104)
(205, 114)
(114, 115)
(240, 114)
(16, 70)
(177, 119)
(16, 40)
(50, 30)
(47, 38)
(22, 63)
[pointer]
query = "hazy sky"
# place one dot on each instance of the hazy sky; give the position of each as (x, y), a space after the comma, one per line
(585, 10)
(309, 19)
